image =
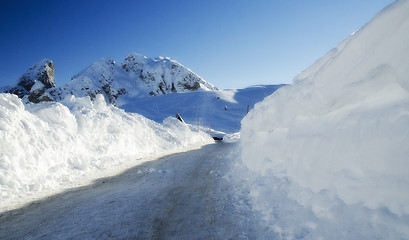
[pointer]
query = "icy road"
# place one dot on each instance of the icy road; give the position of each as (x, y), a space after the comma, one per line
(183, 196)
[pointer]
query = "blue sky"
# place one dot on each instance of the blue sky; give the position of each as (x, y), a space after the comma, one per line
(230, 43)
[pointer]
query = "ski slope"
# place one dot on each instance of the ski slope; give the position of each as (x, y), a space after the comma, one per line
(207, 107)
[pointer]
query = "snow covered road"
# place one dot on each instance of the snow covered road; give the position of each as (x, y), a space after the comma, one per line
(182, 196)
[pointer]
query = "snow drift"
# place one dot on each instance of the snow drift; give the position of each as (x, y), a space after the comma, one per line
(47, 147)
(342, 129)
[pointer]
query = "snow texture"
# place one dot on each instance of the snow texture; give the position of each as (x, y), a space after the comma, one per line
(338, 138)
(48, 147)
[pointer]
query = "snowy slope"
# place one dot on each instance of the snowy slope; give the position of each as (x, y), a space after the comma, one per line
(48, 147)
(209, 107)
(102, 77)
(340, 134)
(137, 76)
(163, 75)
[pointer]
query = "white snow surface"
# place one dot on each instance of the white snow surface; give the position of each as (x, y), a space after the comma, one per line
(49, 147)
(338, 138)
(183, 196)
(222, 110)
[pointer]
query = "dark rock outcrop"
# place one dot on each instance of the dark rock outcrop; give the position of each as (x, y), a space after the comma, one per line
(33, 84)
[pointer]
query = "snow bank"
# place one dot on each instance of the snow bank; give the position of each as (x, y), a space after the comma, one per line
(51, 146)
(341, 131)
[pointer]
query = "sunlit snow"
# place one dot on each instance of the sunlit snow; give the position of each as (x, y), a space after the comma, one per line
(324, 158)
(48, 147)
(338, 138)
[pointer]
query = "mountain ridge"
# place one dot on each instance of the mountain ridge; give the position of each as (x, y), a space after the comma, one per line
(137, 75)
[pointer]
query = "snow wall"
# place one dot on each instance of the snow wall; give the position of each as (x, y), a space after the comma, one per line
(342, 128)
(47, 147)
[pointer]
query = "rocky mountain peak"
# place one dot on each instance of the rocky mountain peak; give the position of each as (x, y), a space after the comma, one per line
(33, 83)
(42, 72)
(137, 75)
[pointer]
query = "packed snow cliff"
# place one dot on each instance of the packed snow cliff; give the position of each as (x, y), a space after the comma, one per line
(340, 134)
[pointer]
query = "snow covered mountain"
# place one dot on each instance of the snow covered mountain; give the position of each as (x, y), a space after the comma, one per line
(102, 77)
(163, 75)
(33, 84)
(136, 76)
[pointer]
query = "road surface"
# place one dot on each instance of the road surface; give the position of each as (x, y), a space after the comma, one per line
(182, 196)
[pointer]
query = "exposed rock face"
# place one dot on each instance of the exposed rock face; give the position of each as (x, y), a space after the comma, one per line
(33, 84)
